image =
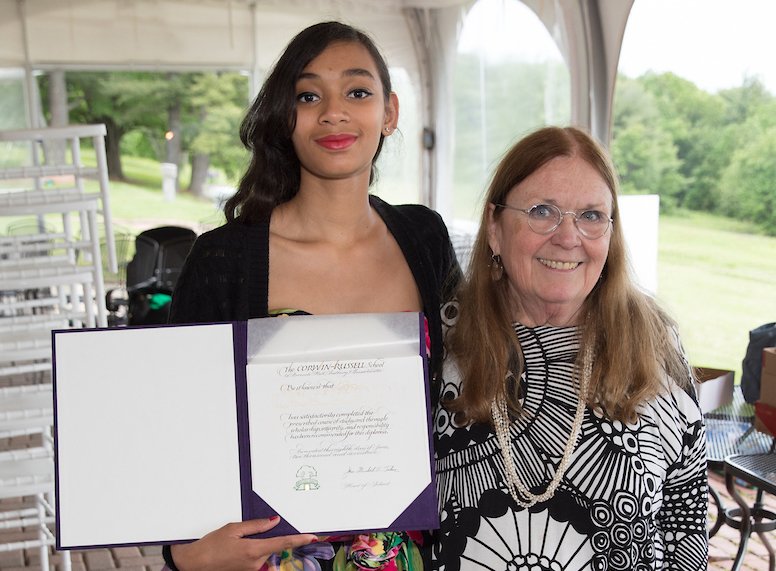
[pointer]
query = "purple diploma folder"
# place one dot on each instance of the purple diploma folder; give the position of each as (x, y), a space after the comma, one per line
(163, 434)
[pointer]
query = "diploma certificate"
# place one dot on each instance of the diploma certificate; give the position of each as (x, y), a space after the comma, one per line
(323, 420)
(330, 439)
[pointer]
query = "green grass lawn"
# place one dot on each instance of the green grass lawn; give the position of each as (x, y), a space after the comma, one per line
(718, 281)
(139, 204)
(138, 208)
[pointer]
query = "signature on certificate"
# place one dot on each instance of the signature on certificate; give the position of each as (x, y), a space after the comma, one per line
(370, 469)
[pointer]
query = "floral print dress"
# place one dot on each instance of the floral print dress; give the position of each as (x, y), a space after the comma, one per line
(384, 551)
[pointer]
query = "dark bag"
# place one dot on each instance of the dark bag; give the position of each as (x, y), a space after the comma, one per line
(759, 338)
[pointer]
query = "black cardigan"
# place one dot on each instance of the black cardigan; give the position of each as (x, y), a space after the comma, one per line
(225, 277)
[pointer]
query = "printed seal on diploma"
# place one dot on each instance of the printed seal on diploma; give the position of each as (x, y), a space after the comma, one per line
(165, 433)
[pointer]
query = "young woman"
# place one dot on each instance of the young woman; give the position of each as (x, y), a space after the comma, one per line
(303, 235)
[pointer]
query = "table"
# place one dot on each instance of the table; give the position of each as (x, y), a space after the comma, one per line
(730, 430)
(759, 470)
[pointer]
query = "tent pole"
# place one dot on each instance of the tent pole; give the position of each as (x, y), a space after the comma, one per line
(31, 91)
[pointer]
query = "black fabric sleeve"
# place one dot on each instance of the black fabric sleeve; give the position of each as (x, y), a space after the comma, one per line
(188, 298)
(168, 561)
(224, 277)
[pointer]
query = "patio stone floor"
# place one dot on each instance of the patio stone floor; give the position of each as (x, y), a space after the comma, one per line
(722, 547)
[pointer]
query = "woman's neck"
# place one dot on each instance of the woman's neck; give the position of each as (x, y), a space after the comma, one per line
(330, 211)
(547, 314)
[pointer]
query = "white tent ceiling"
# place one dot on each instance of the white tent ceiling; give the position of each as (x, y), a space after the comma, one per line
(233, 34)
(417, 35)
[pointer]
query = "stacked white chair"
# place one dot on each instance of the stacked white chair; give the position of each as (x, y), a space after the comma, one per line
(27, 474)
(49, 279)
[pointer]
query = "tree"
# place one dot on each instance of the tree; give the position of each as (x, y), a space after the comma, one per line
(694, 119)
(742, 102)
(177, 103)
(643, 149)
(123, 101)
(749, 183)
(217, 104)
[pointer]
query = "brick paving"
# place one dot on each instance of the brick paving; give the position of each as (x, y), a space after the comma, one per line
(722, 547)
(146, 558)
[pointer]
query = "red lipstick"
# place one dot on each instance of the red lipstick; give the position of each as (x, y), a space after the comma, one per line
(336, 142)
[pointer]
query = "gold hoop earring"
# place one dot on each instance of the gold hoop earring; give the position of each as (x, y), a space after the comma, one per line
(496, 268)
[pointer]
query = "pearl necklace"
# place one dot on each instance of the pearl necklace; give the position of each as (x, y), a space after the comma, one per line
(498, 410)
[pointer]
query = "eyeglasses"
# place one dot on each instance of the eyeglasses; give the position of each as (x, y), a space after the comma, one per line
(545, 219)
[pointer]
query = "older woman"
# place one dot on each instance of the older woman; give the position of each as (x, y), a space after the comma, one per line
(569, 436)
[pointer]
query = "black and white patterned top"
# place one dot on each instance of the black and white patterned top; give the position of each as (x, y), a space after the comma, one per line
(634, 496)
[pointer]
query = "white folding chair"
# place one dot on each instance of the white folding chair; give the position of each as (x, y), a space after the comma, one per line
(38, 172)
(27, 473)
(70, 265)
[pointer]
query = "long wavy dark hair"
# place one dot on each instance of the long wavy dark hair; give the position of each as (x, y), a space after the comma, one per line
(273, 175)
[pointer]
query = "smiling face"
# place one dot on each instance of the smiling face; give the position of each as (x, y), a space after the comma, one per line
(550, 275)
(341, 113)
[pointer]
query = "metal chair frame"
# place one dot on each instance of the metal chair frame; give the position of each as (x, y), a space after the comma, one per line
(758, 470)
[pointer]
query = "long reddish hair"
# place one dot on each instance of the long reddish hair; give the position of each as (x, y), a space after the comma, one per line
(635, 344)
